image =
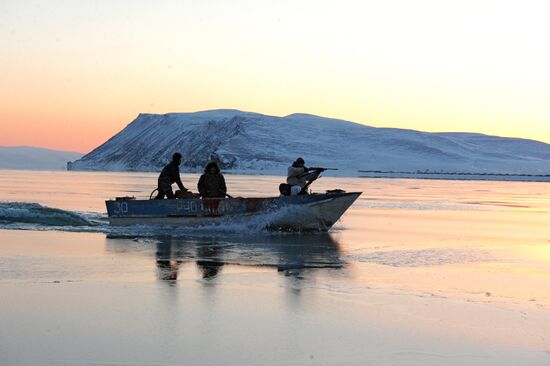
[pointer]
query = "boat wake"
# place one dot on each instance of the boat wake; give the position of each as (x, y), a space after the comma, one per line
(34, 216)
(28, 215)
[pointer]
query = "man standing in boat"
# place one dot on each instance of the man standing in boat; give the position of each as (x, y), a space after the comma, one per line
(299, 177)
(169, 175)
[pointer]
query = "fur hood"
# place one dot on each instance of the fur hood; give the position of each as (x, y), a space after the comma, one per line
(212, 164)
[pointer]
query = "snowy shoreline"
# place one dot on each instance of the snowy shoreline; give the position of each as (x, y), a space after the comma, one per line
(498, 177)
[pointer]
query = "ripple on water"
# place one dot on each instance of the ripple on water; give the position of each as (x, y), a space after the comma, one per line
(421, 257)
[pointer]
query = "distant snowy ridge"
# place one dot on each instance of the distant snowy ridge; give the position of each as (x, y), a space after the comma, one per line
(257, 143)
(35, 158)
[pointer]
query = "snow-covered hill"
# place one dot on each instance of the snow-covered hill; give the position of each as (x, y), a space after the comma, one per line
(35, 158)
(252, 142)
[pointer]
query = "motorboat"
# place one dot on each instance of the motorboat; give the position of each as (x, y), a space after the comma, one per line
(308, 212)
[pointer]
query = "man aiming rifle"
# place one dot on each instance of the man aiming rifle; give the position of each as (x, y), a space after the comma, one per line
(300, 177)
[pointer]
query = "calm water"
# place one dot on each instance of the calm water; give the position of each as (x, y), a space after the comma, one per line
(417, 272)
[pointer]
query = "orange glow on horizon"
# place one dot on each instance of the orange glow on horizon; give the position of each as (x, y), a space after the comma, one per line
(74, 74)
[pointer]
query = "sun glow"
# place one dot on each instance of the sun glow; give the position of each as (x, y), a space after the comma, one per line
(74, 73)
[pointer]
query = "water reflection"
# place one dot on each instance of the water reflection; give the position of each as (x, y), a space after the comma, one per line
(294, 256)
(210, 260)
(168, 263)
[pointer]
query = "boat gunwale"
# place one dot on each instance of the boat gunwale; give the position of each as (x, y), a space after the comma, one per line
(336, 195)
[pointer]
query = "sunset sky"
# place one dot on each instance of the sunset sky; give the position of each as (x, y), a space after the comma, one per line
(73, 73)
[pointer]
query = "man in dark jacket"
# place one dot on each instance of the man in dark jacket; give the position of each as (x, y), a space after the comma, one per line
(169, 175)
(212, 183)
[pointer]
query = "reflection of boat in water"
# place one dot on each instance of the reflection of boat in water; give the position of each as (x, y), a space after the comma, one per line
(290, 253)
(316, 212)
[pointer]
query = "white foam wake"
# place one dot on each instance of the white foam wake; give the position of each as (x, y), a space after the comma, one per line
(13, 213)
(34, 216)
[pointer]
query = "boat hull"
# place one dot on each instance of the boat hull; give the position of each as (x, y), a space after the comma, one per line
(318, 212)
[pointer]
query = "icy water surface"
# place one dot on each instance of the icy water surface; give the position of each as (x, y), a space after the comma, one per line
(417, 272)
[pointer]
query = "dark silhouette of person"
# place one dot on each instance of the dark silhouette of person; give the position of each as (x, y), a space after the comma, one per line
(212, 183)
(167, 263)
(169, 175)
(209, 261)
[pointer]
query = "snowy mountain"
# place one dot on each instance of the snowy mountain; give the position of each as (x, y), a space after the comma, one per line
(252, 142)
(35, 158)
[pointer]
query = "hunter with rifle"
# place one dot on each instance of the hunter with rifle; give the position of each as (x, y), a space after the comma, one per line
(300, 177)
(212, 183)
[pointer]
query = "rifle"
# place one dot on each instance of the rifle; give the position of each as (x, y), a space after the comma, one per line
(320, 170)
(316, 170)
